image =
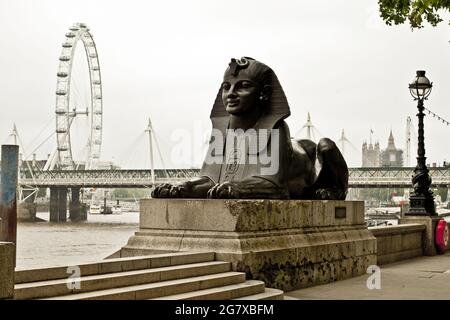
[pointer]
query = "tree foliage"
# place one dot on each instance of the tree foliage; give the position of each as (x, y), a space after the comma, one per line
(415, 11)
(131, 193)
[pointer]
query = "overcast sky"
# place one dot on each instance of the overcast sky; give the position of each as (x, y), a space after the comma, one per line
(165, 60)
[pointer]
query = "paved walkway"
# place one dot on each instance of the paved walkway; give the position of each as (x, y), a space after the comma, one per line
(420, 278)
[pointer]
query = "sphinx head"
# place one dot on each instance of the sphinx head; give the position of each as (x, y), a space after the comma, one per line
(246, 87)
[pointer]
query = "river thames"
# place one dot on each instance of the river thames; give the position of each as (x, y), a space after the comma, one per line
(41, 244)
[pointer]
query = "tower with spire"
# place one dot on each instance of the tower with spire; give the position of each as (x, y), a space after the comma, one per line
(391, 156)
(370, 153)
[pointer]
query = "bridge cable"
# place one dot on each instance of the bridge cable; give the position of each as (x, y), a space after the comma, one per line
(159, 152)
(52, 119)
(35, 190)
(40, 145)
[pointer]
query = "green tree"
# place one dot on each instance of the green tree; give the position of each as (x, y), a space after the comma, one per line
(415, 11)
(131, 193)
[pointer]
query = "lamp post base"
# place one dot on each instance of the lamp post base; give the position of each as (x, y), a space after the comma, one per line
(420, 205)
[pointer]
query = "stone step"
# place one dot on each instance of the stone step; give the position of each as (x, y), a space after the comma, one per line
(233, 291)
(50, 288)
(268, 294)
(159, 289)
(114, 265)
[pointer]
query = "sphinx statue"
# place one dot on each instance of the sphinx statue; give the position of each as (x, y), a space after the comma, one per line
(251, 154)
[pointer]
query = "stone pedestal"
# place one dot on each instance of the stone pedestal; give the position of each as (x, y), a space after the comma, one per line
(288, 244)
(430, 222)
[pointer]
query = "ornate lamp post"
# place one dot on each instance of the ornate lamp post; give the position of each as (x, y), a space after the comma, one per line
(421, 200)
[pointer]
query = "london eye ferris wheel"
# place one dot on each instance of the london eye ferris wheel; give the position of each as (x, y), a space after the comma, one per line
(67, 108)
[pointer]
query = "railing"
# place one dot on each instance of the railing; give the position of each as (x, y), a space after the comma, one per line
(358, 178)
(394, 177)
(106, 178)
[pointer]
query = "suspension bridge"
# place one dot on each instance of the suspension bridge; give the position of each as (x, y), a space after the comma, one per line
(359, 178)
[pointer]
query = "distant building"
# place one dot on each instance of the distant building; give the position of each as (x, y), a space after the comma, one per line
(370, 155)
(99, 165)
(391, 156)
(106, 165)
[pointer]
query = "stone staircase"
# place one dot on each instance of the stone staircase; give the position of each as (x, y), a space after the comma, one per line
(172, 276)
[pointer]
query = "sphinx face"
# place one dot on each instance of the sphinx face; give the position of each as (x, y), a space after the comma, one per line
(240, 94)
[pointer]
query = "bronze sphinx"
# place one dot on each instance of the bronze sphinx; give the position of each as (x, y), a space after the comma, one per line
(251, 153)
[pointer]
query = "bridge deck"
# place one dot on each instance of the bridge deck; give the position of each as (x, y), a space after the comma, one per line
(358, 177)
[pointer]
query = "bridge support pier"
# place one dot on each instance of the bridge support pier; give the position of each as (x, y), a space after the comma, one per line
(75, 213)
(62, 203)
(53, 204)
(58, 204)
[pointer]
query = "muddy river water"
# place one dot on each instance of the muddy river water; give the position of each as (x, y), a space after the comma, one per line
(41, 244)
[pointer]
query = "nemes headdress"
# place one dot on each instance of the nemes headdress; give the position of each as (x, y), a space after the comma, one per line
(278, 106)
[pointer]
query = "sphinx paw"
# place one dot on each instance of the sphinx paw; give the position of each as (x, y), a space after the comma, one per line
(183, 190)
(225, 190)
(162, 191)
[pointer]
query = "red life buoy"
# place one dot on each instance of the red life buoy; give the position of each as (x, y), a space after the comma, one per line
(442, 236)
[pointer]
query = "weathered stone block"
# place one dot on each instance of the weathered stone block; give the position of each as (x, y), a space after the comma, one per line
(7, 257)
(288, 244)
(400, 242)
(411, 241)
(430, 222)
